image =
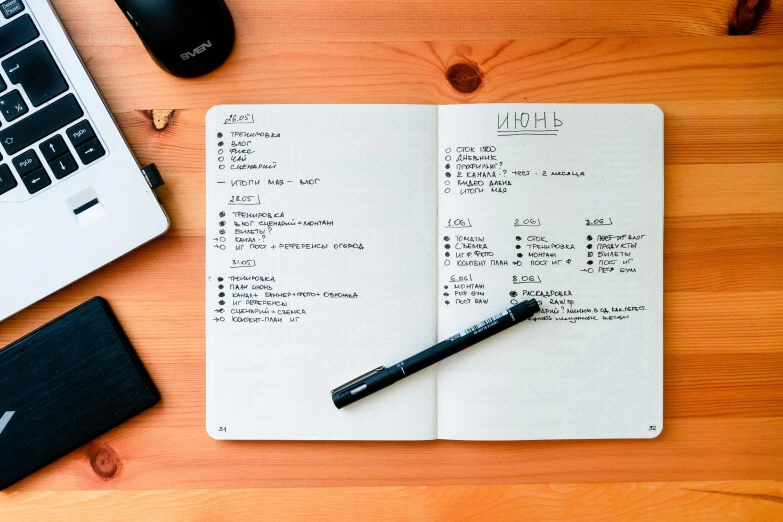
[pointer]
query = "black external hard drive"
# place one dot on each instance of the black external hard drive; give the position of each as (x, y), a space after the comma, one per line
(64, 385)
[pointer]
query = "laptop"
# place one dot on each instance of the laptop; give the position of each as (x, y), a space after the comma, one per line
(72, 196)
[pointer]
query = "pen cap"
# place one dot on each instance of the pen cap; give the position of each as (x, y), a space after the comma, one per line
(362, 386)
(524, 310)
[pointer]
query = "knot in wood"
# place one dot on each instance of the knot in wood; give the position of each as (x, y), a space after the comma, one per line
(464, 77)
(161, 118)
(104, 460)
(747, 16)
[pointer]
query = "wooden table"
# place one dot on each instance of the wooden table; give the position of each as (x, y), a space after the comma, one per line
(721, 453)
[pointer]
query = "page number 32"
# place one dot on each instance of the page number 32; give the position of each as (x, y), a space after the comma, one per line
(653, 428)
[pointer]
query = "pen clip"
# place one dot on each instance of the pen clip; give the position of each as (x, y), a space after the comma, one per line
(360, 378)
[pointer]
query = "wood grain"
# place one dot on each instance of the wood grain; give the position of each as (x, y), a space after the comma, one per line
(597, 70)
(723, 258)
(684, 501)
(157, 453)
(308, 21)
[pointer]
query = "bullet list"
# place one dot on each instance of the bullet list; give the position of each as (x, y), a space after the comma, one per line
(220, 151)
(220, 287)
(448, 174)
(589, 246)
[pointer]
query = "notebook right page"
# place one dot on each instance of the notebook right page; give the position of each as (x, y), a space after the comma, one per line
(563, 204)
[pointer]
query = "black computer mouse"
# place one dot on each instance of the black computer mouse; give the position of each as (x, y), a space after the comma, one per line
(186, 38)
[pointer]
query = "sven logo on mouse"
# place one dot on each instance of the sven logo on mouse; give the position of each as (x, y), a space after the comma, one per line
(198, 50)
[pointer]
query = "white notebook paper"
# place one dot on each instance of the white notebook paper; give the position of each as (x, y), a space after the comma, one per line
(345, 237)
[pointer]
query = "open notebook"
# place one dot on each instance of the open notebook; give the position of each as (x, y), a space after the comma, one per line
(345, 237)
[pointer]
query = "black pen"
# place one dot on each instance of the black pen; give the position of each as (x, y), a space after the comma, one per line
(382, 377)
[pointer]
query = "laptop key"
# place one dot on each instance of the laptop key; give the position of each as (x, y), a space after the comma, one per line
(17, 33)
(53, 148)
(90, 151)
(36, 71)
(40, 124)
(26, 163)
(7, 179)
(12, 105)
(36, 180)
(64, 165)
(11, 7)
(80, 133)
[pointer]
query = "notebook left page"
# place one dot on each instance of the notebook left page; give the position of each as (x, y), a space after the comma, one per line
(321, 223)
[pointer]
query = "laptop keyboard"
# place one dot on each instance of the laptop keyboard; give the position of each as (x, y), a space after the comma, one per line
(35, 105)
